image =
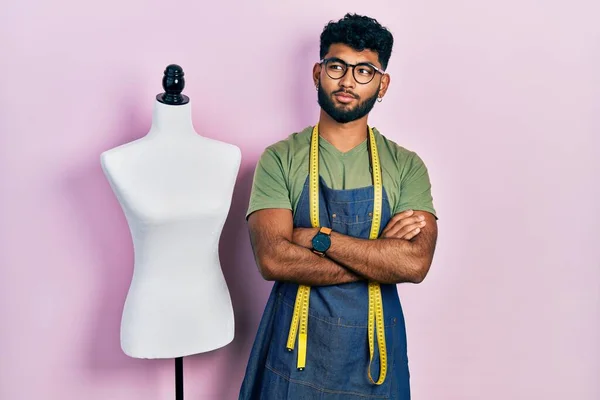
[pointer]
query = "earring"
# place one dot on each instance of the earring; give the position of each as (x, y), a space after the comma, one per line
(379, 99)
(317, 87)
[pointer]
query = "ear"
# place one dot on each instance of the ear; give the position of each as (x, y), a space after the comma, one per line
(384, 84)
(316, 73)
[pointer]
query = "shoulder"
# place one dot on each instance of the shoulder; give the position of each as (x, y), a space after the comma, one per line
(400, 154)
(224, 149)
(120, 154)
(290, 146)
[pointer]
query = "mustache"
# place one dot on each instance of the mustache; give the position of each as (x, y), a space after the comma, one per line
(346, 92)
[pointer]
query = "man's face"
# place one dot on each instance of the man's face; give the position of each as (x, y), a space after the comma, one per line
(345, 100)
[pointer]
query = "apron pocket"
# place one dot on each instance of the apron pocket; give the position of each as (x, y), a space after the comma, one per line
(337, 355)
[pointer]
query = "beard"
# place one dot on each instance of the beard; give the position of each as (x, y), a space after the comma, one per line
(343, 116)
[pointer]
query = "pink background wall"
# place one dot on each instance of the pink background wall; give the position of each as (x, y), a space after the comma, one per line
(501, 99)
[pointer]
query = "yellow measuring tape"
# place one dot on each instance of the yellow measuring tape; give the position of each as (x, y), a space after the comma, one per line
(299, 325)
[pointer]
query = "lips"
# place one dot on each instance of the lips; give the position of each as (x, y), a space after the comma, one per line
(343, 97)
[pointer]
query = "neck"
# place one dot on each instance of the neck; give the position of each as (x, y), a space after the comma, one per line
(343, 137)
(169, 120)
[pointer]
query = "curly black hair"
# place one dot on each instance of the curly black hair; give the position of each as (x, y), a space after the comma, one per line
(360, 33)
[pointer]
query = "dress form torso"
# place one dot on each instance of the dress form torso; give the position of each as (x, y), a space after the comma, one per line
(175, 189)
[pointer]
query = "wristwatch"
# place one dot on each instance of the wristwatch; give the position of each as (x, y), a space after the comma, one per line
(321, 241)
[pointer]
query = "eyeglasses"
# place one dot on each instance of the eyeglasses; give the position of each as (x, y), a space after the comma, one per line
(363, 72)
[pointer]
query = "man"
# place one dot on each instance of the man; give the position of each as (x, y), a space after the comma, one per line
(337, 234)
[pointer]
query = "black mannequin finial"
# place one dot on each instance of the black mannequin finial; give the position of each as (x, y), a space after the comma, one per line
(173, 82)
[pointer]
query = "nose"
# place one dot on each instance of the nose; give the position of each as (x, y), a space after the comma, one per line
(347, 81)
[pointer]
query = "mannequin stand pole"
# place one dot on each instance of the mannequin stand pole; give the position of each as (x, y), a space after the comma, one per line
(179, 378)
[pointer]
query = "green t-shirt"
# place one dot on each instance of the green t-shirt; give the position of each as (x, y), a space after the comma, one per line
(283, 167)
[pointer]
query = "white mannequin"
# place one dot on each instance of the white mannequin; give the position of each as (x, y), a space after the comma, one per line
(175, 189)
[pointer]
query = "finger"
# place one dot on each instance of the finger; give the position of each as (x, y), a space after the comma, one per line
(394, 229)
(389, 226)
(411, 234)
(398, 231)
(402, 229)
(396, 218)
(398, 221)
(407, 230)
(405, 225)
(402, 215)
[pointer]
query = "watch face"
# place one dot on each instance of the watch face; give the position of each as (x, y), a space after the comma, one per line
(321, 242)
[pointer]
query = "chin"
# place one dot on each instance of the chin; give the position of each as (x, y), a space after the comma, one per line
(346, 107)
(342, 120)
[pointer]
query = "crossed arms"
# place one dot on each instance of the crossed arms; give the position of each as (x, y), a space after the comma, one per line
(403, 253)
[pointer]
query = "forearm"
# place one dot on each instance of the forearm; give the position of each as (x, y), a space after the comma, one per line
(286, 261)
(382, 260)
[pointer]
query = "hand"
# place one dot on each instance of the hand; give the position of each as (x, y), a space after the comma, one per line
(404, 225)
(303, 236)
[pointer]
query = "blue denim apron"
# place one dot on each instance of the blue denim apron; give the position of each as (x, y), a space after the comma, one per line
(337, 353)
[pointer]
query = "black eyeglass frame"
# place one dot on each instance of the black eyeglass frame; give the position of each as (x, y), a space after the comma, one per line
(325, 60)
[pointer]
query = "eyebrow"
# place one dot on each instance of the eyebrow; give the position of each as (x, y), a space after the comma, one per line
(358, 63)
